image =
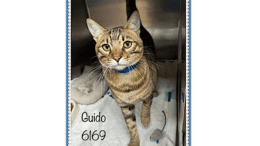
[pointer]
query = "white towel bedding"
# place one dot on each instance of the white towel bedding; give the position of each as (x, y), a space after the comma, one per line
(115, 127)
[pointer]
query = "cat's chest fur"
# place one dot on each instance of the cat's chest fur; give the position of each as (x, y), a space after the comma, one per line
(133, 86)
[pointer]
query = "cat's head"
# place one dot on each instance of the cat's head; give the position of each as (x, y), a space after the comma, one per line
(119, 47)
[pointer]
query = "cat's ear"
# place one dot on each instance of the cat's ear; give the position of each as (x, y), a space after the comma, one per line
(134, 22)
(94, 28)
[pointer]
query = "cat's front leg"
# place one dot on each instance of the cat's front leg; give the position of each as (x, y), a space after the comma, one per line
(145, 115)
(129, 115)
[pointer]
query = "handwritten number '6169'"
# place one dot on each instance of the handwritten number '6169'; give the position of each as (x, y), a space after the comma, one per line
(93, 136)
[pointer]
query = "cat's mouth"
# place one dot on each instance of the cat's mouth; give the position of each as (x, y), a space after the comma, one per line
(119, 67)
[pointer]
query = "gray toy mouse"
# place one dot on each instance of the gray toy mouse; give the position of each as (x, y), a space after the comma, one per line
(158, 134)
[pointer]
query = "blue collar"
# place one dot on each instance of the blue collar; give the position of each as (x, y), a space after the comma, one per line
(127, 69)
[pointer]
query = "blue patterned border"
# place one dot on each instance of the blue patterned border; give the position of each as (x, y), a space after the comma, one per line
(67, 66)
(67, 73)
(189, 136)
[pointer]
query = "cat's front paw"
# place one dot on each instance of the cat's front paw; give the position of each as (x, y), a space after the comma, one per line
(145, 120)
(155, 93)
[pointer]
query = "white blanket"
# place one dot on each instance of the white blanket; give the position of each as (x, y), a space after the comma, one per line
(115, 127)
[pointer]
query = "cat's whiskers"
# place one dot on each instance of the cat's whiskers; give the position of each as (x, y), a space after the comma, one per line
(97, 78)
(101, 76)
(151, 68)
(147, 46)
(92, 57)
(96, 62)
(104, 74)
(92, 71)
(110, 74)
(140, 68)
(158, 65)
(95, 83)
(131, 66)
(143, 70)
(148, 53)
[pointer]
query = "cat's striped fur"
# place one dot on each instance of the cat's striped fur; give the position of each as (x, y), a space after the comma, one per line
(114, 33)
(114, 53)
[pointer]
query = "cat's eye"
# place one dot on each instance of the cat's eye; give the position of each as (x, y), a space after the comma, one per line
(127, 44)
(106, 47)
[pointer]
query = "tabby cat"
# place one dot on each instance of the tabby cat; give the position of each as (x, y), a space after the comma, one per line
(129, 74)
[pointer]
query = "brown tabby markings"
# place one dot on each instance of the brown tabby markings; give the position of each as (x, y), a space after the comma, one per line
(115, 33)
(132, 87)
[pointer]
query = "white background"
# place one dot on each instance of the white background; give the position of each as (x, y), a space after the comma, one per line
(225, 72)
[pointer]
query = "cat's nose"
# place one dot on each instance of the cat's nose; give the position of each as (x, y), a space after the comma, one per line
(117, 59)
